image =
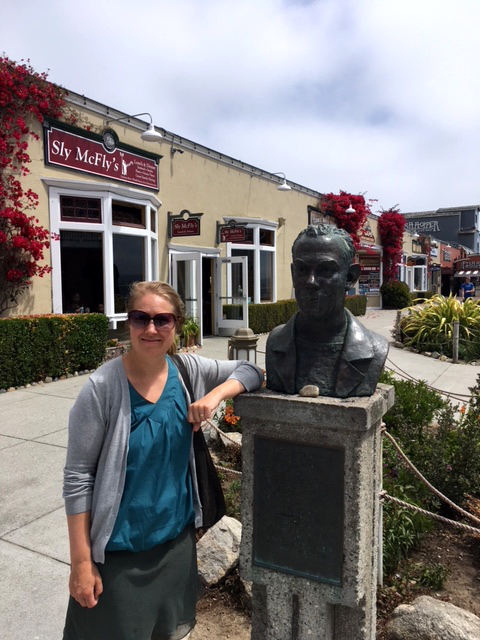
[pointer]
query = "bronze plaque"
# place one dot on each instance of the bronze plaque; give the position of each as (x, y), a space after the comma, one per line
(298, 509)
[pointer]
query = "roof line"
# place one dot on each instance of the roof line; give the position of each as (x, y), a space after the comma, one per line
(104, 110)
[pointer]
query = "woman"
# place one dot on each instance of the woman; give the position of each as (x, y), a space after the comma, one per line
(130, 494)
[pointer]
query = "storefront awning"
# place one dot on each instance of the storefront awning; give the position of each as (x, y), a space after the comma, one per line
(464, 274)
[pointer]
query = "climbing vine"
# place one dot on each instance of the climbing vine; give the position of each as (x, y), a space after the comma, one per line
(25, 96)
(340, 207)
(391, 226)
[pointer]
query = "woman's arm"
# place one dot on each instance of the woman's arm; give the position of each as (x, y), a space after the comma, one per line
(85, 582)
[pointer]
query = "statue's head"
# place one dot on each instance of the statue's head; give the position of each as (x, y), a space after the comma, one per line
(323, 270)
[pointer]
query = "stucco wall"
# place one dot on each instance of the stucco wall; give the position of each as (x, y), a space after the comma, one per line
(191, 180)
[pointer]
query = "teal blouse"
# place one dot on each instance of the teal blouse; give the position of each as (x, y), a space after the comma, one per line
(157, 502)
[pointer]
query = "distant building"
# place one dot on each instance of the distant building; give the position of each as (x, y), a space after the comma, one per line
(458, 225)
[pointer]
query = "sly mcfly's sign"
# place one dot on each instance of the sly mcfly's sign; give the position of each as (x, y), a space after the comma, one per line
(73, 151)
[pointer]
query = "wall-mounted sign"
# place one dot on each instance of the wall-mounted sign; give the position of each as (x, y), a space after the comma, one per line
(230, 232)
(184, 224)
(469, 264)
(74, 151)
(315, 216)
(366, 233)
(423, 226)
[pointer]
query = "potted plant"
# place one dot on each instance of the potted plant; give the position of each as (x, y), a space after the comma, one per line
(190, 332)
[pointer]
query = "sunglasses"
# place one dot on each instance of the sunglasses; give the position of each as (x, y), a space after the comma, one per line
(162, 321)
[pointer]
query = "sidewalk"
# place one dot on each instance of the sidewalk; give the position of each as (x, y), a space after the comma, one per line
(33, 437)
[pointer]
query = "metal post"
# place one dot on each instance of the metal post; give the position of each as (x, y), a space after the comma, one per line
(456, 339)
(398, 333)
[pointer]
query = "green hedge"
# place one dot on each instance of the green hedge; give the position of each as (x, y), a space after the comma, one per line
(356, 305)
(34, 347)
(395, 294)
(262, 318)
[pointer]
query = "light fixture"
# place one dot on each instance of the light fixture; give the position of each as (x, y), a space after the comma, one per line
(283, 186)
(434, 243)
(350, 209)
(150, 135)
(415, 236)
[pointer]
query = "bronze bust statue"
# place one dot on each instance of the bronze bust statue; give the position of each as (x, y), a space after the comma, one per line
(323, 344)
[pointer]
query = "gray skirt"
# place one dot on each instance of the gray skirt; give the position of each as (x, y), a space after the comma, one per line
(148, 595)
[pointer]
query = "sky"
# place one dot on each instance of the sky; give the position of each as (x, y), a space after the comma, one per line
(378, 97)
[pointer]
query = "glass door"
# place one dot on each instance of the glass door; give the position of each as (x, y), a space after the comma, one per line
(231, 295)
(186, 279)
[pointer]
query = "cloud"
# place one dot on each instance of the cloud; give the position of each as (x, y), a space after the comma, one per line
(363, 95)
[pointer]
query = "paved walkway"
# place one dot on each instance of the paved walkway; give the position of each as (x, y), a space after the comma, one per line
(33, 536)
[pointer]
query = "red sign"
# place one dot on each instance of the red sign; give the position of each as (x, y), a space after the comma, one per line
(232, 234)
(72, 151)
(190, 227)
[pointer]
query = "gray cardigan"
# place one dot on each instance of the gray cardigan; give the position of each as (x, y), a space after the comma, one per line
(98, 434)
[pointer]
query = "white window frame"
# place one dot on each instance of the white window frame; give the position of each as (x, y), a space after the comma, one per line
(107, 193)
(257, 248)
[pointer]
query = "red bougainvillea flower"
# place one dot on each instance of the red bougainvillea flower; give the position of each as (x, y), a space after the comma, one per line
(24, 95)
(340, 207)
(391, 226)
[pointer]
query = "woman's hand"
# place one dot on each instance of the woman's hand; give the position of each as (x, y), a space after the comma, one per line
(85, 583)
(204, 408)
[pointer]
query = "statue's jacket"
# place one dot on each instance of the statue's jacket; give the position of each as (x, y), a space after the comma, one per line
(361, 359)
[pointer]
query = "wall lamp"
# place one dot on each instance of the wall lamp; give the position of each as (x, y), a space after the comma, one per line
(350, 209)
(283, 186)
(150, 135)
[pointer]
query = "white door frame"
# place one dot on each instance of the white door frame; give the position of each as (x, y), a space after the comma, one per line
(183, 252)
(193, 304)
(222, 325)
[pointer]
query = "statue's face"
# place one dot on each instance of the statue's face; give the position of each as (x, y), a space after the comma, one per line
(320, 275)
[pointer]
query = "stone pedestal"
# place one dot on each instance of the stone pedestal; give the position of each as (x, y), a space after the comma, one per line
(310, 485)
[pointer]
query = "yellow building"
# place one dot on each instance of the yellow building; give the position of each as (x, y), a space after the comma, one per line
(123, 208)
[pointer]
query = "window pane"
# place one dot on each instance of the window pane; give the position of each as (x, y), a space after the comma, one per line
(266, 237)
(266, 276)
(128, 214)
(74, 209)
(128, 266)
(82, 271)
(251, 271)
(232, 305)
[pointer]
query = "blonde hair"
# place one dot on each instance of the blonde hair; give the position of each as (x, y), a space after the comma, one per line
(163, 290)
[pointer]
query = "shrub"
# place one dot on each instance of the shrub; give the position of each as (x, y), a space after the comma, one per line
(429, 327)
(395, 295)
(416, 407)
(34, 347)
(356, 305)
(402, 531)
(442, 442)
